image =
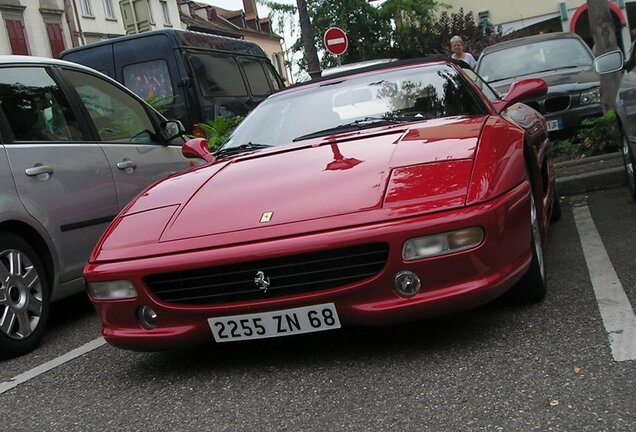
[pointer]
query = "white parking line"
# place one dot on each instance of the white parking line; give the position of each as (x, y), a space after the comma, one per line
(616, 310)
(43, 368)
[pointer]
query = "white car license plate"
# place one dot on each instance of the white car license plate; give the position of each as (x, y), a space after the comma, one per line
(554, 125)
(285, 322)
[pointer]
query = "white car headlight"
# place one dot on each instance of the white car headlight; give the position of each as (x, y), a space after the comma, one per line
(112, 290)
(591, 96)
(442, 244)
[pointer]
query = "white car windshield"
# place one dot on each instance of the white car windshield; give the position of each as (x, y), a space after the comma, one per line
(533, 58)
(358, 102)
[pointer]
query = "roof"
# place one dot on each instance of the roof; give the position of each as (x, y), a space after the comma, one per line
(22, 59)
(529, 40)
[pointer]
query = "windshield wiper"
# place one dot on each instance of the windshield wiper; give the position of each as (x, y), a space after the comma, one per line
(354, 125)
(227, 151)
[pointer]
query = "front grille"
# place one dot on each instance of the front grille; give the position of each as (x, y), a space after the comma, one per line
(287, 275)
(556, 104)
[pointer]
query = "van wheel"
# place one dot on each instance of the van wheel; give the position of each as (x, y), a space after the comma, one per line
(24, 297)
(533, 286)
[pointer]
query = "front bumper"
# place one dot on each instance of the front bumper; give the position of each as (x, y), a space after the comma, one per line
(449, 283)
(570, 120)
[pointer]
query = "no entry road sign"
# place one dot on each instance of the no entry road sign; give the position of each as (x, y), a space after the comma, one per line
(336, 41)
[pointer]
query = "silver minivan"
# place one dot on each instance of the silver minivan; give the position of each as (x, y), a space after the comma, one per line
(75, 148)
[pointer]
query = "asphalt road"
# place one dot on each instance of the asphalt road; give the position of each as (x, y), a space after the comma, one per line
(545, 367)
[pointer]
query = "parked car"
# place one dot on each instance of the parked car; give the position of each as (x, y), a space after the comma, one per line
(564, 61)
(76, 148)
(625, 107)
(194, 76)
(390, 193)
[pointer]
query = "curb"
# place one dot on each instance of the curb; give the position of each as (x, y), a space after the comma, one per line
(590, 174)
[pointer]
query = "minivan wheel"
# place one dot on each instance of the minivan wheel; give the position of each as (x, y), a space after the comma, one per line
(628, 161)
(24, 297)
(533, 286)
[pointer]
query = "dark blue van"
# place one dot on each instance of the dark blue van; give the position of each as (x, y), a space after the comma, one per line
(193, 76)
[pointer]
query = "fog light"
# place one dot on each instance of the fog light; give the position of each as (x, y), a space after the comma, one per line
(111, 290)
(147, 317)
(406, 283)
(442, 244)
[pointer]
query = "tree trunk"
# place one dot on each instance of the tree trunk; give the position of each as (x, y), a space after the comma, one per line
(604, 36)
(307, 35)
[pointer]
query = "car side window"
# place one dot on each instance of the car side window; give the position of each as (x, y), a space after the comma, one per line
(35, 107)
(117, 116)
(149, 80)
(256, 77)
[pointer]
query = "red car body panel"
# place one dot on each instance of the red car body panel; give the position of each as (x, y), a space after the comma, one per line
(380, 185)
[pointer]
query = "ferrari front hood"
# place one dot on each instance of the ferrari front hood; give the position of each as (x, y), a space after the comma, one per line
(329, 179)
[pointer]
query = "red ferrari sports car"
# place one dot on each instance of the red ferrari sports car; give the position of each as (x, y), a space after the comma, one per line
(395, 192)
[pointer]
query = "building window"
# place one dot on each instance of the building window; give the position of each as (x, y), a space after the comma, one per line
(166, 13)
(17, 37)
(150, 15)
(108, 9)
(56, 40)
(85, 6)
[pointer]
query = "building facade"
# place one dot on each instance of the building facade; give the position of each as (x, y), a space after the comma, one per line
(47, 27)
(532, 17)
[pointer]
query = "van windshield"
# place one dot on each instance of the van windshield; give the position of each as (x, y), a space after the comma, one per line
(217, 75)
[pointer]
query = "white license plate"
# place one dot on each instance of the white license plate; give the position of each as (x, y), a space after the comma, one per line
(285, 322)
(554, 125)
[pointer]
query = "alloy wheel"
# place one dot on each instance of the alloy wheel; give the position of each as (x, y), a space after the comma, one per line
(21, 294)
(629, 165)
(536, 236)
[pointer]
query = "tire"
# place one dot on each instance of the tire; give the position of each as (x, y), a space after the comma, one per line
(628, 162)
(24, 297)
(556, 204)
(532, 287)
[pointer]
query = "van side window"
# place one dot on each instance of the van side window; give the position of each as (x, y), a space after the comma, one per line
(256, 77)
(273, 81)
(118, 117)
(217, 75)
(35, 107)
(149, 79)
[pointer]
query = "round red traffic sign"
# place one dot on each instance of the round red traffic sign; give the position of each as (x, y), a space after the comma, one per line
(336, 41)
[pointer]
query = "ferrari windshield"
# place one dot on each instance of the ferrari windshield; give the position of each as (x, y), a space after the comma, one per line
(534, 58)
(358, 102)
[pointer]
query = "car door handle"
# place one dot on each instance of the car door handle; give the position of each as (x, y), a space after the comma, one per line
(126, 165)
(38, 169)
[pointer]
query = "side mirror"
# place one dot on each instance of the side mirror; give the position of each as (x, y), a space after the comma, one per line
(171, 129)
(612, 61)
(197, 148)
(530, 88)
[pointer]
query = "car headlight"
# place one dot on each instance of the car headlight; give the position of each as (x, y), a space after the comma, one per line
(442, 244)
(591, 96)
(112, 290)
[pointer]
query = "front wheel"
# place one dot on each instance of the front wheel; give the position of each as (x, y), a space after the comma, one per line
(628, 161)
(532, 287)
(24, 297)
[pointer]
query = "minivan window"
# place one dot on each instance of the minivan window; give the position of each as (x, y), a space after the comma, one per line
(35, 107)
(117, 116)
(149, 79)
(256, 77)
(217, 76)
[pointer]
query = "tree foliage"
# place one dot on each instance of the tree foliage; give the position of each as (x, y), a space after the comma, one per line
(396, 28)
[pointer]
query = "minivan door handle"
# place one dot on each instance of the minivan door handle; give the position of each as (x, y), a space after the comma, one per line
(127, 165)
(38, 169)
